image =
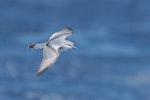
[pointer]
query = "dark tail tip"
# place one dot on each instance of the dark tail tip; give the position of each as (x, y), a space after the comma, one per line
(31, 46)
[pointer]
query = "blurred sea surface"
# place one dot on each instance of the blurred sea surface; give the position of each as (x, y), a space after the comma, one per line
(112, 60)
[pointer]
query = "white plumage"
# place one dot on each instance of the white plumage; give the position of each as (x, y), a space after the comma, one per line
(53, 47)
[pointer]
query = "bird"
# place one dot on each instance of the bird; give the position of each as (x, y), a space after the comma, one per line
(52, 49)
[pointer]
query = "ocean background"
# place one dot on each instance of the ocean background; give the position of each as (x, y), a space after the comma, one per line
(111, 62)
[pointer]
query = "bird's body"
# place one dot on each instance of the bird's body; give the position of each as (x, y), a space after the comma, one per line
(53, 47)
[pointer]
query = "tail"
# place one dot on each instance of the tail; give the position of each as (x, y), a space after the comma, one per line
(37, 46)
(32, 46)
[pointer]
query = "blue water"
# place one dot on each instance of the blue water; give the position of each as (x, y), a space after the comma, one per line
(112, 60)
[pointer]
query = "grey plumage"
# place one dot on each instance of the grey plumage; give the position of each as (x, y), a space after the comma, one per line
(53, 47)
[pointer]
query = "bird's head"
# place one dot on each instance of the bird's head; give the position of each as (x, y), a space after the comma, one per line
(70, 45)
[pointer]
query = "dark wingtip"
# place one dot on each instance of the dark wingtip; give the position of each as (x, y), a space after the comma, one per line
(69, 28)
(38, 74)
(41, 72)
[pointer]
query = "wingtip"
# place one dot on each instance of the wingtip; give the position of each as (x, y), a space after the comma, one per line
(38, 74)
(69, 28)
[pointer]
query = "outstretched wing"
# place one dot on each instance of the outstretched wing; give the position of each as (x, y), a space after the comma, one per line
(49, 58)
(62, 34)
